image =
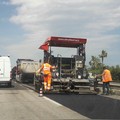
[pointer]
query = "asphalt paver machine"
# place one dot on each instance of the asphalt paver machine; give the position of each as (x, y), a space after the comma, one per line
(70, 74)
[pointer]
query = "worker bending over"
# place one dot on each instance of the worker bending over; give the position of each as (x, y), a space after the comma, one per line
(46, 69)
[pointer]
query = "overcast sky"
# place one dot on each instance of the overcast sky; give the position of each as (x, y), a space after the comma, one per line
(26, 24)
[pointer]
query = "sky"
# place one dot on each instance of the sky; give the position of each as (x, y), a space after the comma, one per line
(26, 24)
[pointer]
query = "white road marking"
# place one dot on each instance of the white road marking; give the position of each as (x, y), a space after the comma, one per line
(52, 101)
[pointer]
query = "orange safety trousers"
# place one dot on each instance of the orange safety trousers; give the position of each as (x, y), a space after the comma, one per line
(47, 81)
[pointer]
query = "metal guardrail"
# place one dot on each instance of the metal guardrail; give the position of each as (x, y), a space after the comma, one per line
(112, 84)
(114, 87)
(115, 84)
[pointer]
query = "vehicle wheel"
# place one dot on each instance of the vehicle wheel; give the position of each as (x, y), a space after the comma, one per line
(97, 90)
(9, 84)
(21, 78)
(35, 87)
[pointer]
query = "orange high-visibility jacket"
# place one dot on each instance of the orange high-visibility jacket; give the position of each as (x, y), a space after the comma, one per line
(106, 76)
(46, 68)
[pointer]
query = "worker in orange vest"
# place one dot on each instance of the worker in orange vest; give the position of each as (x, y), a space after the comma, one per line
(106, 79)
(46, 68)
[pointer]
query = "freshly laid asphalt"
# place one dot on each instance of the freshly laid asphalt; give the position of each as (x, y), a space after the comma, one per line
(92, 106)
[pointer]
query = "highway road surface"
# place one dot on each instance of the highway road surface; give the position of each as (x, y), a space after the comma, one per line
(22, 103)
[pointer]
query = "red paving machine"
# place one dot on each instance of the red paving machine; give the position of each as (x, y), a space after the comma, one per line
(71, 74)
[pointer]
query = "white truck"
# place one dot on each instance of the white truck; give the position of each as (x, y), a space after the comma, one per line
(5, 70)
(26, 69)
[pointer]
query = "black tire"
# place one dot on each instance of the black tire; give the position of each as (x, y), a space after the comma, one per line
(9, 84)
(21, 78)
(37, 87)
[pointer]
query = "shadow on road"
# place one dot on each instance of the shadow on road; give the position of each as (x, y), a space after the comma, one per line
(91, 106)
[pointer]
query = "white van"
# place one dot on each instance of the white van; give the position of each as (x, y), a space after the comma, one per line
(5, 70)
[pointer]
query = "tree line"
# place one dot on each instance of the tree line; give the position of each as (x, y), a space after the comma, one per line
(97, 63)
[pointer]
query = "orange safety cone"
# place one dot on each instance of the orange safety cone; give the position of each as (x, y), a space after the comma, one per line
(40, 92)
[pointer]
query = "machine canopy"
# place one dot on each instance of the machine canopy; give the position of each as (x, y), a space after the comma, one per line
(62, 42)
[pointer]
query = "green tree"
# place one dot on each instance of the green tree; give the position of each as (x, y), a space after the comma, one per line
(103, 55)
(115, 71)
(94, 62)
